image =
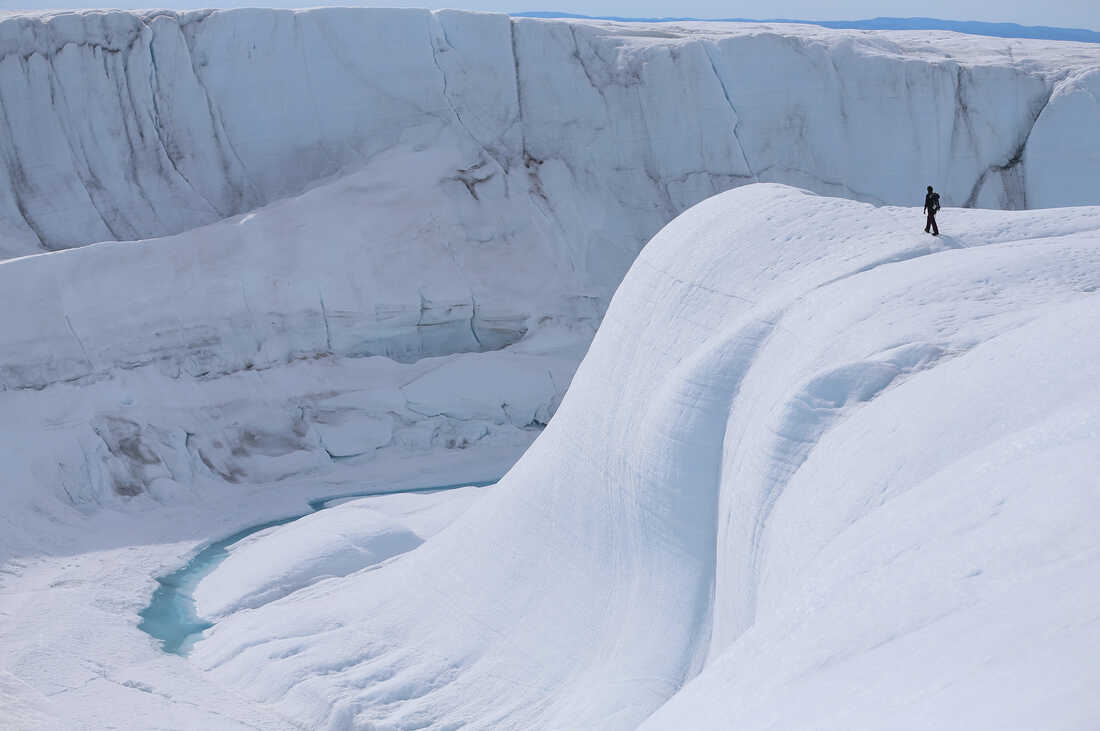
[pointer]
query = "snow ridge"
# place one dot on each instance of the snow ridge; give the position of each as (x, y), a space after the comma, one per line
(786, 465)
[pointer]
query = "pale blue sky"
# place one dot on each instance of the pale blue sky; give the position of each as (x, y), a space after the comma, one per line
(1065, 13)
(1062, 13)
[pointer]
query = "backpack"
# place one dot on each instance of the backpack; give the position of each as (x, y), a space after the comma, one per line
(935, 203)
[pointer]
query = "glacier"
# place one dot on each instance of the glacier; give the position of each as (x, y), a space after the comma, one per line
(125, 125)
(253, 259)
(808, 474)
(336, 185)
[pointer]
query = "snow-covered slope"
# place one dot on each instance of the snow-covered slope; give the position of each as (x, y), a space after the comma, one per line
(590, 135)
(818, 469)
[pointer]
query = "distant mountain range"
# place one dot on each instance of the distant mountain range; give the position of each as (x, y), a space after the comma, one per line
(978, 28)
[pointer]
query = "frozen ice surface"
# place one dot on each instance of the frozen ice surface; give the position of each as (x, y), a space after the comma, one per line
(581, 135)
(332, 543)
(817, 469)
(73, 580)
(241, 571)
(455, 183)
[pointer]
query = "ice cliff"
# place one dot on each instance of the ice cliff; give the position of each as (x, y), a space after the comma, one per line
(817, 470)
(422, 183)
(335, 184)
(590, 135)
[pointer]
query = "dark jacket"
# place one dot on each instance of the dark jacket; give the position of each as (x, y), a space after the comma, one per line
(931, 203)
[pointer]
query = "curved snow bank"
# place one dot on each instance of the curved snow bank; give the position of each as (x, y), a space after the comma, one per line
(128, 125)
(330, 543)
(839, 472)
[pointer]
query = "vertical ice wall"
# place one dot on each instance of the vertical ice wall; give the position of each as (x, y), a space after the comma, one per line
(120, 126)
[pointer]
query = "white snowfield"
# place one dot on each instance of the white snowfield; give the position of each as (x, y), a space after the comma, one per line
(583, 136)
(817, 470)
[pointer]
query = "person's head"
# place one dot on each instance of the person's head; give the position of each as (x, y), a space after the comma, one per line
(929, 188)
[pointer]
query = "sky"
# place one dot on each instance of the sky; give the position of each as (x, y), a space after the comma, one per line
(1063, 13)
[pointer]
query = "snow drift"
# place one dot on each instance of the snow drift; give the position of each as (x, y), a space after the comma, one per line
(817, 469)
(592, 135)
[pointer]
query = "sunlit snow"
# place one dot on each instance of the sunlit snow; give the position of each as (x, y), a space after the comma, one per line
(805, 466)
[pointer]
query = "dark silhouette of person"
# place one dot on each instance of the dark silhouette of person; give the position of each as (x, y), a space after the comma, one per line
(931, 207)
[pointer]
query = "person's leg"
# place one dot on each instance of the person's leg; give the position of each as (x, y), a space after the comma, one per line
(935, 228)
(928, 223)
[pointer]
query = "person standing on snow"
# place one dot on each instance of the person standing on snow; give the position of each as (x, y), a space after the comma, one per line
(932, 207)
